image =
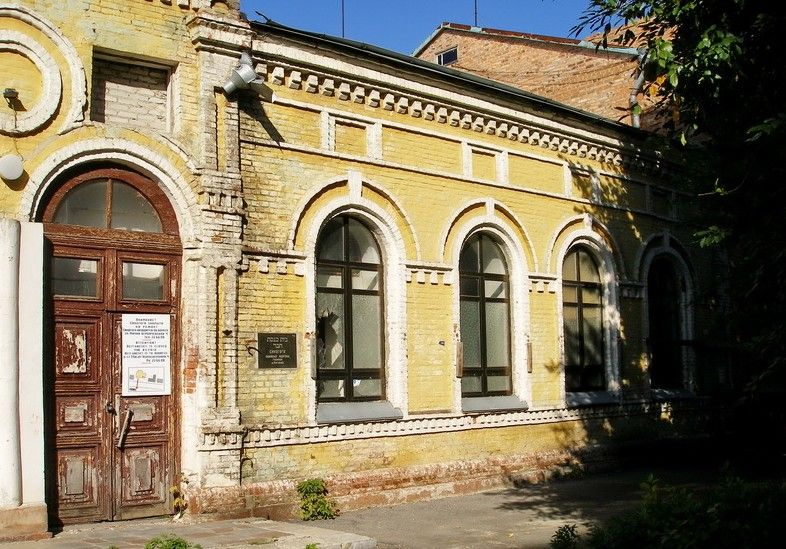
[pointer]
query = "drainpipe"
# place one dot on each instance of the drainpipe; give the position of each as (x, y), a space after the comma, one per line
(636, 88)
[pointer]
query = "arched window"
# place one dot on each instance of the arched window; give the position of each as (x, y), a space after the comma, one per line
(582, 313)
(485, 318)
(665, 325)
(349, 313)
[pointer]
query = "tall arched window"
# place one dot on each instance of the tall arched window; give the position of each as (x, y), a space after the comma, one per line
(485, 318)
(582, 313)
(349, 311)
(665, 325)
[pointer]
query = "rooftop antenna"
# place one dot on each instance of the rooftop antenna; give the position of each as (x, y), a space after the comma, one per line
(476, 13)
(342, 19)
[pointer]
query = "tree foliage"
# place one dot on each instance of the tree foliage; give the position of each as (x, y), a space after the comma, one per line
(719, 67)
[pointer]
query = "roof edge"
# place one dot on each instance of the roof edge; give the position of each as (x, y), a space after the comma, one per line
(456, 76)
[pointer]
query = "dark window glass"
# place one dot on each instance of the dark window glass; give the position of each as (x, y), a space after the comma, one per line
(447, 57)
(350, 350)
(484, 318)
(75, 277)
(582, 314)
(665, 326)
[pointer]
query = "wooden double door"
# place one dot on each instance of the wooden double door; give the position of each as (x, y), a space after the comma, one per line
(112, 386)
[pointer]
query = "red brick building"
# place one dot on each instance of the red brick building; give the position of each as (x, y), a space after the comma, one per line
(573, 72)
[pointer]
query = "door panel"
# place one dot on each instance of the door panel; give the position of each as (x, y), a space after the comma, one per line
(143, 468)
(79, 479)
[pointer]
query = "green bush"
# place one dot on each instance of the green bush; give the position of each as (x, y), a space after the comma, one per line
(170, 541)
(566, 537)
(314, 503)
(730, 515)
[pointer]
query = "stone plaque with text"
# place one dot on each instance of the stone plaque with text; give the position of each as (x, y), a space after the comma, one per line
(277, 350)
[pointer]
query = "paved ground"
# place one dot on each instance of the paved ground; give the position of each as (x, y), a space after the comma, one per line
(516, 517)
(520, 517)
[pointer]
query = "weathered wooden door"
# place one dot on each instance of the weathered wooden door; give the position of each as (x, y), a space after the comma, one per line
(115, 293)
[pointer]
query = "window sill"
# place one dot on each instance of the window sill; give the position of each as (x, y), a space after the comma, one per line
(670, 394)
(353, 412)
(590, 398)
(478, 405)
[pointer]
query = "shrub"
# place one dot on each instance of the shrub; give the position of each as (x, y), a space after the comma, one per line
(566, 537)
(314, 503)
(732, 514)
(170, 541)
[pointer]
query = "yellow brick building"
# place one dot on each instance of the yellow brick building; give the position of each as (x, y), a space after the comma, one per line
(243, 255)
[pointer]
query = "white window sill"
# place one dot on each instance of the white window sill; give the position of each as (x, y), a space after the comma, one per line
(355, 412)
(590, 398)
(670, 394)
(479, 405)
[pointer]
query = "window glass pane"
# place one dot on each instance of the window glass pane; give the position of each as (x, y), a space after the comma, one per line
(365, 280)
(367, 388)
(469, 262)
(587, 268)
(593, 335)
(76, 277)
(143, 281)
(496, 289)
(573, 379)
(570, 293)
(366, 332)
(362, 246)
(331, 240)
(571, 333)
(493, 260)
(569, 267)
(84, 205)
(329, 277)
(471, 384)
(498, 384)
(469, 286)
(591, 295)
(497, 335)
(131, 211)
(330, 388)
(330, 330)
(470, 332)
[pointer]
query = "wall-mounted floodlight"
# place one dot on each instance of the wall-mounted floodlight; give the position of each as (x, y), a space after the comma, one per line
(242, 76)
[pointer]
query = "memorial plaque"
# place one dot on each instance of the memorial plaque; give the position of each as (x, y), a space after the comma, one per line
(277, 350)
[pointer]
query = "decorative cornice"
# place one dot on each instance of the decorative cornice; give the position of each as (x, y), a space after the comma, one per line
(341, 88)
(268, 437)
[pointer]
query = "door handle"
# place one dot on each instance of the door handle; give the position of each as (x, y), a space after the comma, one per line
(121, 440)
(110, 408)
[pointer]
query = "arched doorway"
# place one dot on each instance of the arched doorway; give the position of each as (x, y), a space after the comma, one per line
(114, 280)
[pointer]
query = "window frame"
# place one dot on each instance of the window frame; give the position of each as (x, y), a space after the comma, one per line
(346, 266)
(440, 57)
(580, 305)
(481, 299)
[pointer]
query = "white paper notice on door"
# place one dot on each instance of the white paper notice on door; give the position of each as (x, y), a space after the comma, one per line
(146, 355)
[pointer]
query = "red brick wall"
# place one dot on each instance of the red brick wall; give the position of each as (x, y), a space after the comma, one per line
(595, 81)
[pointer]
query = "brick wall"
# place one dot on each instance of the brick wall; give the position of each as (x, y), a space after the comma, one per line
(125, 94)
(595, 81)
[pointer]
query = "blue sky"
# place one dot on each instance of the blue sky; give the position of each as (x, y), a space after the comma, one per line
(402, 25)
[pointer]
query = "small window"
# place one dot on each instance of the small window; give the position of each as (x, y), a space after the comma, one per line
(484, 315)
(349, 313)
(582, 313)
(447, 57)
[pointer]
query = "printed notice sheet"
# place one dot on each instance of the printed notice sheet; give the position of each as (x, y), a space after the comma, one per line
(146, 355)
